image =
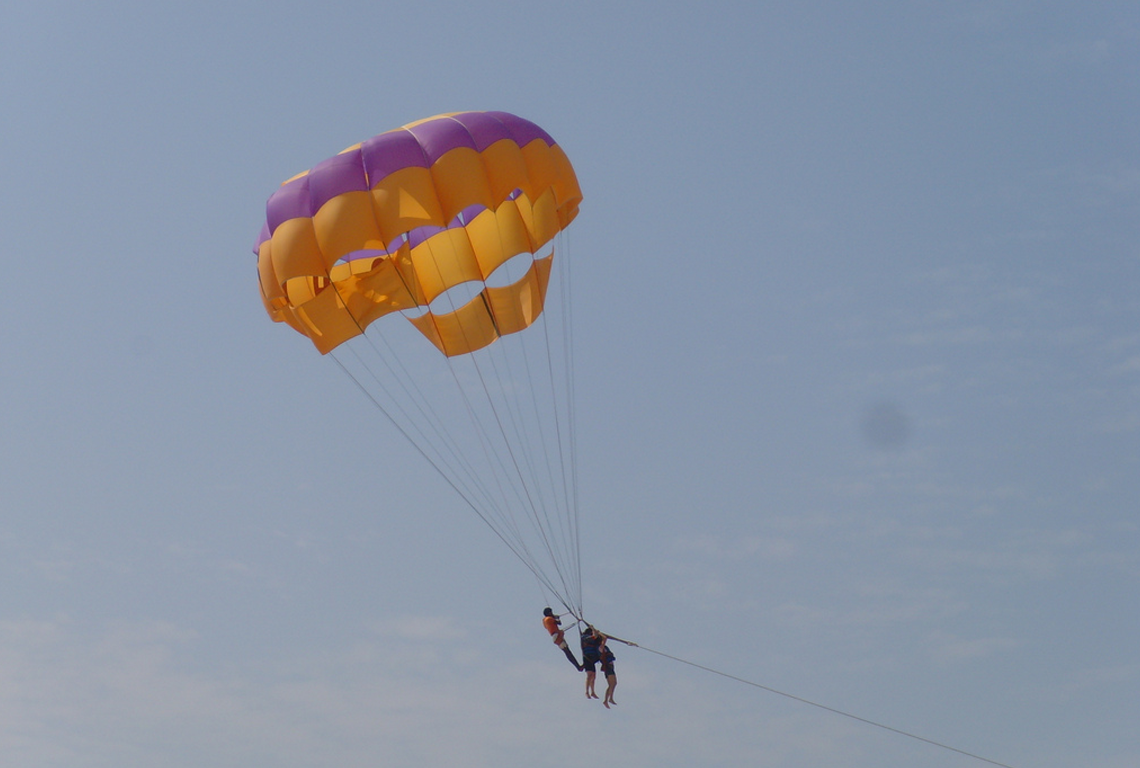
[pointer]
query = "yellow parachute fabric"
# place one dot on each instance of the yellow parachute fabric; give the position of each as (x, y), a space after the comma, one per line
(395, 222)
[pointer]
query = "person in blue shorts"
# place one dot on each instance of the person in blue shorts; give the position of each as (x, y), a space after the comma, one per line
(592, 644)
(608, 670)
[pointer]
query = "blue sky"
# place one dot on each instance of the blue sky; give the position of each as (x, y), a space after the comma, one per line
(858, 381)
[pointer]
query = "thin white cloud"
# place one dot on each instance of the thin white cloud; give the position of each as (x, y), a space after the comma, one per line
(124, 695)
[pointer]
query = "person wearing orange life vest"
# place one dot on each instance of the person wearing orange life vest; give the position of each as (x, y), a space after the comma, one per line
(554, 626)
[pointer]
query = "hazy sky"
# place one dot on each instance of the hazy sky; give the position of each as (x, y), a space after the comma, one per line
(857, 330)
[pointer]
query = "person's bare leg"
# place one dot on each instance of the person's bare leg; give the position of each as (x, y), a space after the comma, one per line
(612, 680)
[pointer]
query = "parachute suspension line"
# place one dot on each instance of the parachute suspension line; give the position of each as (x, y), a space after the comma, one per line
(450, 481)
(538, 511)
(833, 710)
(542, 437)
(565, 502)
(543, 595)
(452, 478)
(504, 415)
(444, 441)
(493, 457)
(525, 498)
(539, 508)
(564, 410)
(546, 596)
(570, 527)
(495, 461)
(511, 455)
(408, 424)
(567, 308)
(506, 409)
(444, 438)
(501, 511)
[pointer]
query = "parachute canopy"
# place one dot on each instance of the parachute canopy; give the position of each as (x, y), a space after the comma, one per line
(394, 222)
(450, 222)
